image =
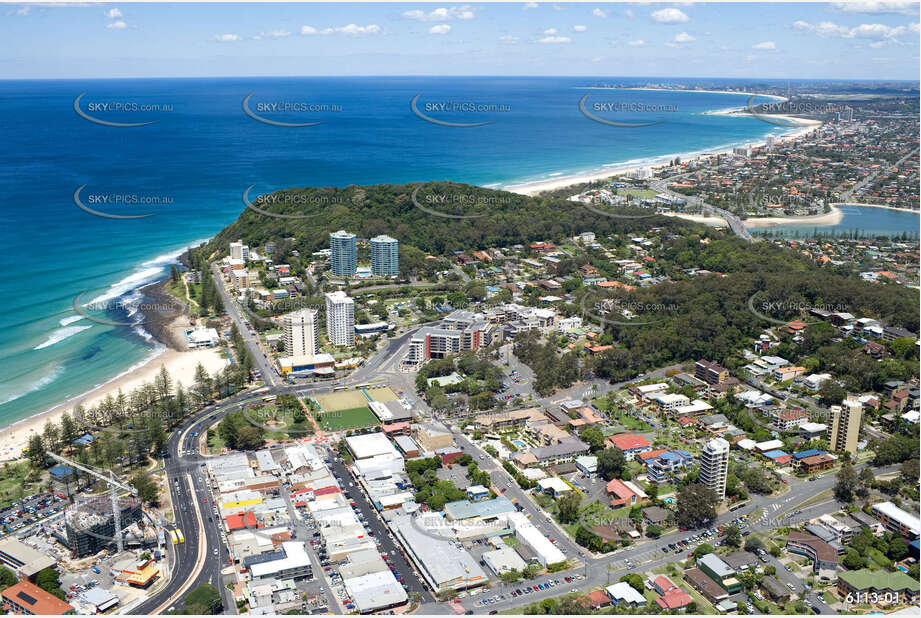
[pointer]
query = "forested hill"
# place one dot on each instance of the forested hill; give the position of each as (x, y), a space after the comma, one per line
(496, 218)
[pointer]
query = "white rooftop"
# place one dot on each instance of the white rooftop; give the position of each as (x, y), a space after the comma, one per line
(370, 445)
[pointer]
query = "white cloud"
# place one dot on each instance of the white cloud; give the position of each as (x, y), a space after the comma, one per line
(555, 40)
(226, 38)
(529, 5)
(507, 38)
(550, 31)
(274, 34)
(637, 43)
(580, 28)
(599, 13)
(350, 29)
(670, 16)
(597, 58)
(764, 45)
(117, 25)
(440, 29)
(914, 27)
(442, 14)
(684, 37)
(113, 14)
(21, 11)
(903, 8)
(630, 14)
(827, 29)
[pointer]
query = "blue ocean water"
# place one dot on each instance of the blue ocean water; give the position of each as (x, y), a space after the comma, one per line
(202, 151)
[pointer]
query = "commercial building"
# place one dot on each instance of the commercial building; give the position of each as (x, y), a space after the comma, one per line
(27, 598)
(844, 425)
(340, 319)
(309, 364)
(526, 532)
(289, 562)
(371, 445)
(22, 559)
(503, 560)
(706, 586)
(897, 520)
(442, 563)
(720, 572)
(375, 591)
(714, 465)
(302, 332)
(343, 257)
(385, 256)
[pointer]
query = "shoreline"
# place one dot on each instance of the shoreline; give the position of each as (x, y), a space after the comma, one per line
(861, 204)
(540, 186)
(169, 351)
(750, 94)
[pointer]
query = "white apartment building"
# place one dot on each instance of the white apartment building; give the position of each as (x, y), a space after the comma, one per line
(302, 333)
(239, 251)
(340, 319)
(714, 465)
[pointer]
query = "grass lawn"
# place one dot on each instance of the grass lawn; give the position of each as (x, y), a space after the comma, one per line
(347, 419)
(215, 442)
(12, 483)
(637, 193)
(829, 598)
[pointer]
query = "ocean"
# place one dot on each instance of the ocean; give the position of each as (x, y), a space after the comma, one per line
(201, 150)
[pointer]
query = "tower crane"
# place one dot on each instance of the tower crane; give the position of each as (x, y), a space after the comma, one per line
(114, 486)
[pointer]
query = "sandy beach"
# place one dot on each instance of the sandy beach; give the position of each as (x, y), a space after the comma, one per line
(180, 365)
(533, 188)
(832, 217)
(875, 206)
(712, 221)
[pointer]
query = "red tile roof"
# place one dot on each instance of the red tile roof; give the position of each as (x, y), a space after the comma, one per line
(35, 600)
(628, 441)
(238, 521)
(651, 454)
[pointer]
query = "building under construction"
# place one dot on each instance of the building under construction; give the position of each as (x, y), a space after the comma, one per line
(89, 526)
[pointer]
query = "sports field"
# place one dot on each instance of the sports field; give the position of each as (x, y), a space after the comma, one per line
(348, 419)
(381, 393)
(343, 400)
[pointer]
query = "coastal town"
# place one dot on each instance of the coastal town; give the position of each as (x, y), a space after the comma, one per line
(486, 309)
(371, 425)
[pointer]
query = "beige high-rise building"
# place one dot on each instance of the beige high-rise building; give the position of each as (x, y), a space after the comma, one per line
(714, 465)
(844, 425)
(302, 333)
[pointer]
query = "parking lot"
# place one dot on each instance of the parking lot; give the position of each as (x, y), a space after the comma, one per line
(30, 510)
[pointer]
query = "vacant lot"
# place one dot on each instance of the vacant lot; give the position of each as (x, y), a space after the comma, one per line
(348, 419)
(344, 400)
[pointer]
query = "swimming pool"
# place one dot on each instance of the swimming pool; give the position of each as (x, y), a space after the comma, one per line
(520, 444)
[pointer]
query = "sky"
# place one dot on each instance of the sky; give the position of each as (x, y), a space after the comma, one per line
(847, 40)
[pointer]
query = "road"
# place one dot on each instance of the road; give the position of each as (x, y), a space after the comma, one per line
(250, 338)
(412, 581)
(735, 224)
